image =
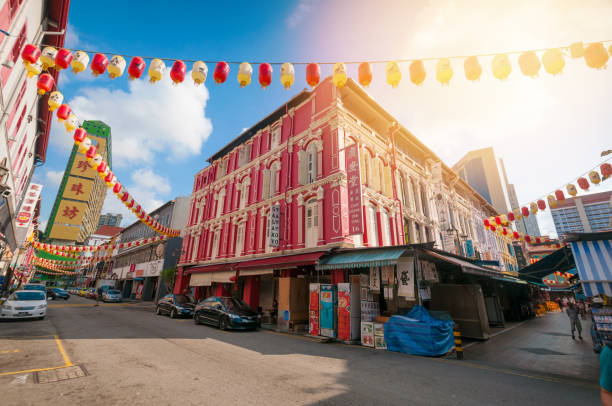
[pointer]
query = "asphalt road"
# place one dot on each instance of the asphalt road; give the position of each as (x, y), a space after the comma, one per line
(131, 356)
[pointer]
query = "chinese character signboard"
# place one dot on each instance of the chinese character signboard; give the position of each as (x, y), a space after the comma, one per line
(70, 212)
(354, 190)
(77, 188)
(81, 167)
(274, 224)
(25, 215)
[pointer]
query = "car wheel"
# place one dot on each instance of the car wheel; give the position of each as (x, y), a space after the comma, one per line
(65, 298)
(223, 323)
(172, 314)
(196, 318)
(41, 318)
(158, 311)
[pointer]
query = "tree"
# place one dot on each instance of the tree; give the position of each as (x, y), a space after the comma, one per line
(168, 275)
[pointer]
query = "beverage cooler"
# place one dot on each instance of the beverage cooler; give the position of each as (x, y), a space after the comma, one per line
(349, 311)
(327, 305)
(313, 311)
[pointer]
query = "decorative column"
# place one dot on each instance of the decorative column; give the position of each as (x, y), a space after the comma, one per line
(320, 195)
(300, 221)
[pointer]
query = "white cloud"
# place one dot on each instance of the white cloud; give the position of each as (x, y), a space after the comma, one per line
(148, 121)
(302, 10)
(53, 178)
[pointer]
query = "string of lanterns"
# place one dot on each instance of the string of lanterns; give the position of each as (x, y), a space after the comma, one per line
(553, 198)
(509, 233)
(40, 262)
(102, 247)
(79, 263)
(553, 60)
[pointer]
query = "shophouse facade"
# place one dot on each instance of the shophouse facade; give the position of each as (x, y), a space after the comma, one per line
(295, 159)
(137, 268)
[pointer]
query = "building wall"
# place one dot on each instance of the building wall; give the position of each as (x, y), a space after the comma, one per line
(406, 193)
(110, 219)
(583, 214)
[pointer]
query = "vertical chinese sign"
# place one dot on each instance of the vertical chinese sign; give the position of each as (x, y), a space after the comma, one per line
(354, 190)
(26, 213)
(274, 224)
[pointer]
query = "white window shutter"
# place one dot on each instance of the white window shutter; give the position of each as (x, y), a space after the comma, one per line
(319, 164)
(302, 167)
(265, 193)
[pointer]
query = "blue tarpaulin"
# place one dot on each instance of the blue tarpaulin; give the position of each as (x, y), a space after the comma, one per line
(418, 333)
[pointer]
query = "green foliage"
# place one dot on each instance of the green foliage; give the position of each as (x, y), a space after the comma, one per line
(168, 275)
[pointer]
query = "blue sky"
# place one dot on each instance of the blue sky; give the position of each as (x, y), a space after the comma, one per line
(163, 134)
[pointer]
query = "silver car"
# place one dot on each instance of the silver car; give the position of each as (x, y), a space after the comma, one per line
(111, 295)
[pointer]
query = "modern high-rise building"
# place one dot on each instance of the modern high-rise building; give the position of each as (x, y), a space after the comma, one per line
(76, 211)
(110, 219)
(583, 214)
(481, 171)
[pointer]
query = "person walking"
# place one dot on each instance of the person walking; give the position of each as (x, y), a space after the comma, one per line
(99, 297)
(573, 313)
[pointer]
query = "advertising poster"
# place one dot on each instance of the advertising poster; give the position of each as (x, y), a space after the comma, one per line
(374, 279)
(344, 312)
(405, 279)
(313, 322)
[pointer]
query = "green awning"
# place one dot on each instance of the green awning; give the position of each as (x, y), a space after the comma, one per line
(510, 279)
(364, 258)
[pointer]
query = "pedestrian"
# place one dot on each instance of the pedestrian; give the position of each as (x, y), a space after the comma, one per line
(98, 296)
(573, 313)
(582, 310)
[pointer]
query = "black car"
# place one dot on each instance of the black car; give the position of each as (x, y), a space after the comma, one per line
(175, 305)
(226, 313)
(57, 293)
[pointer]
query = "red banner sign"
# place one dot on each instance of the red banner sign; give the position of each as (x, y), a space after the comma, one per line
(355, 215)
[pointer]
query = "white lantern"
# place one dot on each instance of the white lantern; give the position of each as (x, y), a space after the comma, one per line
(116, 66)
(199, 72)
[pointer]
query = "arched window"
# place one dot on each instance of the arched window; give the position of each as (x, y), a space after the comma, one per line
(274, 179)
(405, 191)
(372, 227)
(220, 203)
(311, 163)
(215, 245)
(240, 238)
(312, 223)
(385, 228)
(244, 195)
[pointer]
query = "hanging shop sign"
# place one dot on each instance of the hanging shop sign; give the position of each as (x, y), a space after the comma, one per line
(274, 224)
(405, 278)
(26, 212)
(355, 215)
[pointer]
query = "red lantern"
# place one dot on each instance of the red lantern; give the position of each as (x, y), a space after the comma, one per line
(221, 71)
(541, 204)
(486, 222)
(497, 220)
(102, 167)
(504, 231)
(45, 83)
(63, 112)
(117, 188)
(583, 183)
(313, 74)
(109, 177)
(265, 75)
(528, 239)
(525, 211)
(91, 152)
(99, 64)
(606, 170)
(63, 59)
(559, 195)
(30, 53)
(538, 240)
(493, 228)
(178, 71)
(79, 135)
(511, 216)
(516, 235)
(136, 68)
(365, 74)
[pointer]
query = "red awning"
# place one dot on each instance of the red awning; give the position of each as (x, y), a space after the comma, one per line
(277, 262)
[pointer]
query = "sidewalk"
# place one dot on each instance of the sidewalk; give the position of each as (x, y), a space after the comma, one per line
(543, 345)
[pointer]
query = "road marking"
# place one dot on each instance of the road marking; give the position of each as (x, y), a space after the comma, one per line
(8, 351)
(21, 380)
(32, 370)
(56, 306)
(61, 348)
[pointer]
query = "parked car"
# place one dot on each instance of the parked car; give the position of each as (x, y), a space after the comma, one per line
(226, 313)
(24, 304)
(90, 293)
(35, 286)
(81, 292)
(57, 293)
(175, 305)
(111, 295)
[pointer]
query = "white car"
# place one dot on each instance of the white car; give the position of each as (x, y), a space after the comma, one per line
(24, 304)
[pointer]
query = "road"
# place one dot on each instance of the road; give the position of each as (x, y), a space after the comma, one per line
(121, 354)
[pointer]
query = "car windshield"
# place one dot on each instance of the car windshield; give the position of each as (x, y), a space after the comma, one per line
(231, 303)
(59, 290)
(34, 287)
(183, 299)
(20, 296)
(113, 292)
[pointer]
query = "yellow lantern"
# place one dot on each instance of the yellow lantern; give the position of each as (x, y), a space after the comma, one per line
(71, 123)
(501, 66)
(517, 213)
(95, 161)
(571, 189)
(116, 66)
(287, 76)
(472, 68)
(595, 55)
(85, 145)
(394, 74)
(47, 57)
(444, 71)
(553, 61)
(199, 72)
(504, 219)
(533, 207)
(34, 69)
(245, 70)
(529, 64)
(339, 76)
(577, 50)
(156, 70)
(55, 100)
(80, 61)
(417, 72)
(594, 177)
(552, 202)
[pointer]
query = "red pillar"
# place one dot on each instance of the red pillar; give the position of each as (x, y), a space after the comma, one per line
(251, 291)
(182, 282)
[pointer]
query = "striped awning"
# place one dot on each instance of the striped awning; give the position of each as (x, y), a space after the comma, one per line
(594, 263)
(361, 258)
